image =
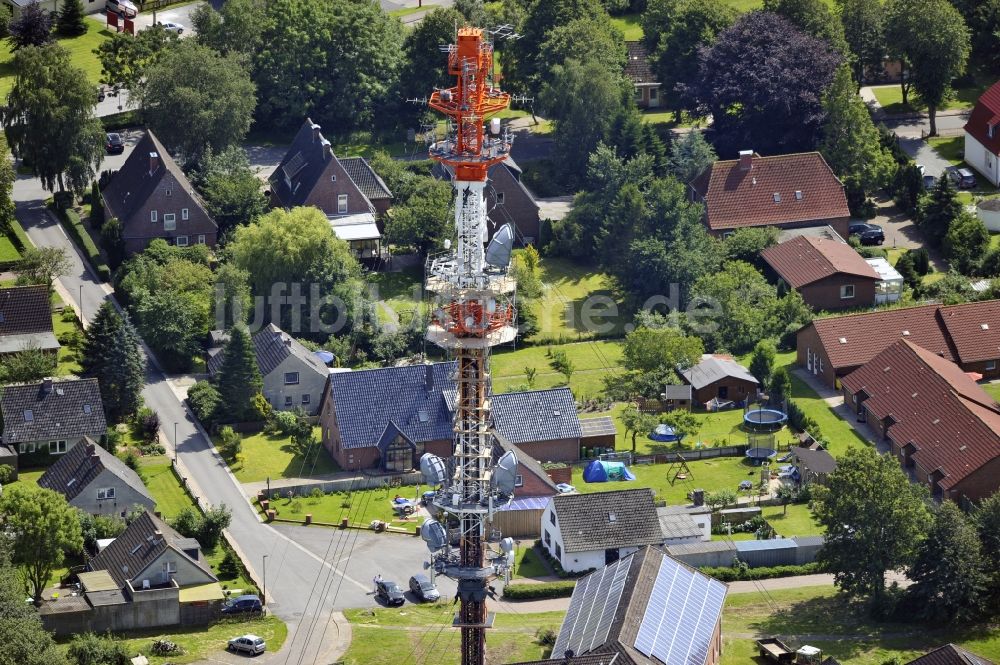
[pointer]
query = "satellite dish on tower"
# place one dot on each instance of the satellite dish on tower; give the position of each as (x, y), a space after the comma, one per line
(499, 250)
(434, 535)
(433, 468)
(505, 473)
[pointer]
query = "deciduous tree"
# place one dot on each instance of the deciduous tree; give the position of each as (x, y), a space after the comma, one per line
(23, 640)
(236, 29)
(425, 68)
(586, 40)
(986, 519)
(32, 27)
(42, 265)
(423, 220)
(526, 65)
(762, 361)
(874, 518)
(864, 31)
(813, 17)
(652, 357)
(239, 376)
(27, 365)
(966, 243)
(636, 422)
(230, 188)
(125, 58)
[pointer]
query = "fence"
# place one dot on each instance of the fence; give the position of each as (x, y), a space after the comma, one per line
(688, 455)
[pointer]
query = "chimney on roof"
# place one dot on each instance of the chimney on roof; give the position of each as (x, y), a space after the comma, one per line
(47, 385)
(287, 340)
(154, 162)
(429, 377)
(327, 149)
(91, 452)
(746, 160)
(316, 135)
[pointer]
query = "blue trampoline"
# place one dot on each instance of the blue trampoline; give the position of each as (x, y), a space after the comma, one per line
(764, 420)
(665, 433)
(601, 472)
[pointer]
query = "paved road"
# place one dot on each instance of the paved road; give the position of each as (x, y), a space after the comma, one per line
(950, 124)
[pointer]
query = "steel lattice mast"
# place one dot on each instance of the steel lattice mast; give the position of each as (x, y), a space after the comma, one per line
(474, 311)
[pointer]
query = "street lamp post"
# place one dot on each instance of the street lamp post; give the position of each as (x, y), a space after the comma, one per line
(175, 438)
(81, 304)
(263, 591)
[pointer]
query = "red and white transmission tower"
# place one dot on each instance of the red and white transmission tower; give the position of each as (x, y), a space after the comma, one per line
(474, 311)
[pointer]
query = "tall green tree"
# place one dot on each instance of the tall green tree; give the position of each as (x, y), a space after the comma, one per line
(779, 389)
(42, 265)
(762, 361)
(49, 119)
(874, 519)
(236, 29)
(813, 17)
(194, 98)
(70, 21)
(27, 365)
(986, 519)
(230, 188)
(741, 303)
(423, 220)
(23, 640)
(966, 243)
(948, 579)
(637, 422)
(425, 68)
(525, 65)
(125, 58)
(864, 31)
(746, 244)
(239, 376)
(689, 156)
(32, 27)
(586, 40)
(938, 211)
(44, 527)
(850, 142)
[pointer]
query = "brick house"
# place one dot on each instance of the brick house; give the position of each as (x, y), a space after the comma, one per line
(828, 274)
(785, 191)
(720, 377)
(348, 191)
(968, 334)
(943, 427)
(26, 320)
(982, 136)
(640, 73)
(388, 417)
(507, 200)
(645, 609)
(96, 482)
(153, 198)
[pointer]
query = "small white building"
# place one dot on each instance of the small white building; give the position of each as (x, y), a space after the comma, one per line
(890, 285)
(590, 531)
(982, 136)
(685, 524)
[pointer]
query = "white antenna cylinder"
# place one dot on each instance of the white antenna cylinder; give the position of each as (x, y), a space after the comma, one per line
(495, 126)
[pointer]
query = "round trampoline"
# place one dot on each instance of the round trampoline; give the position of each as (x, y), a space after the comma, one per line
(758, 456)
(764, 420)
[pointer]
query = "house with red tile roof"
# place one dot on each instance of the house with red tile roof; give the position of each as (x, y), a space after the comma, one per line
(968, 334)
(829, 274)
(943, 427)
(785, 191)
(982, 136)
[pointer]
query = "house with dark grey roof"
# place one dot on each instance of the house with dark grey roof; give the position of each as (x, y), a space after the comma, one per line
(508, 200)
(46, 419)
(389, 416)
(310, 174)
(645, 609)
(26, 320)
(814, 464)
(153, 198)
(293, 375)
(588, 531)
(639, 71)
(950, 654)
(720, 377)
(96, 482)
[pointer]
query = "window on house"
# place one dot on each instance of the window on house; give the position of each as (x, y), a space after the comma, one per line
(185, 213)
(201, 238)
(548, 539)
(653, 94)
(306, 398)
(28, 447)
(552, 517)
(288, 401)
(846, 291)
(990, 365)
(105, 493)
(333, 177)
(291, 378)
(558, 551)
(153, 216)
(57, 447)
(170, 566)
(500, 198)
(168, 191)
(342, 204)
(169, 221)
(29, 416)
(518, 480)
(182, 241)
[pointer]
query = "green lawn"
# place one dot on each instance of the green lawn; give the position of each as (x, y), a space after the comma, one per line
(993, 389)
(81, 51)
(890, 98)
(200, 642)
(592, 361)
(164, 485)
(359, 507)
(567, 287)
(629, 25)
(7, 250)
(69, 353)
(273, 456)
(711, 475)
(406, 11)
(423, 634)
(527, 562)
(401, 291)
(798, 521)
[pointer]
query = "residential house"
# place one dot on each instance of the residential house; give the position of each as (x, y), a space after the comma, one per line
(14, 7)
(96, 481)
(293, 375)
(827, 273)
(784, 191)
(388, 417)
(507, 200)
(814, 464)
(149, 576)
(153, 198)
(587, 531)
(968, 334)
(310, 174)
(640, 73)
(719, 377)
(26, 320)
(645, 609)
(950, 654)
(943, 427)
(533, 488)
(46, 419)
(982, 136)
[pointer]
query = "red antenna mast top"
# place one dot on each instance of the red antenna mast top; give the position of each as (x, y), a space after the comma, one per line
(468, 104)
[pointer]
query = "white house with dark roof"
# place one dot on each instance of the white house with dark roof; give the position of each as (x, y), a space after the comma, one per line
(293, 375)
(45, 419)
(96, 482)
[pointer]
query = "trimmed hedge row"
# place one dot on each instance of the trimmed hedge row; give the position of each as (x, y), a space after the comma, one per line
(71, 222)
(730, 574)
(18, 236)
(561, 589)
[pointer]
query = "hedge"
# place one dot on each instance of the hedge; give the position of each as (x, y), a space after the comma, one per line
(730, 574)
(71, 222)
(121, 120)
(561, 589)
(18, 236)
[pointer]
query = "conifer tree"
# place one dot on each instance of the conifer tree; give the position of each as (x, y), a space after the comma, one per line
(111, 354)
(99, 338)
(239, 377)
(70, 20)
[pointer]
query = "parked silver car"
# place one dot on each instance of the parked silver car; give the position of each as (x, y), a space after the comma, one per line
(248, 644)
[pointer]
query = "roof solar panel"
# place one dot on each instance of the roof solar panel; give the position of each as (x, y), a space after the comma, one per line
(592, 609)
(681, 615)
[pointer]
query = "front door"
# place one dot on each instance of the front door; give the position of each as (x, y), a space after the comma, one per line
(610, 556)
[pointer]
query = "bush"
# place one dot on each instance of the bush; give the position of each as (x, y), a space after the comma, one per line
(111, 236)
(91, 649)
(165, 648)
(131, 459)
(283, 422)
(545, 637)
(6, 474)
(230, 444)
(231, 566)
(188, 523)
(204, 399)
(18, 236)
(96, 207)
(146, 424)
(561, 589)
(735, 574)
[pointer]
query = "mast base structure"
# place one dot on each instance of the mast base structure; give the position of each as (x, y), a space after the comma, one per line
(473, 311)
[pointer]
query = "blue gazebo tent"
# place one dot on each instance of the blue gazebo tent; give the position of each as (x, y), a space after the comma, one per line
(664, 433)
(600, 472)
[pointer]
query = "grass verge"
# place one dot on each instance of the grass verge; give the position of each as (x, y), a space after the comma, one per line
(274, 456)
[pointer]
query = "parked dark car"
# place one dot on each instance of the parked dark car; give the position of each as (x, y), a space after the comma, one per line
(389, 593)
(962, 177)
(243, 605)
(424, 589)
(114, 144)
(868, 234)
